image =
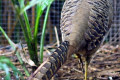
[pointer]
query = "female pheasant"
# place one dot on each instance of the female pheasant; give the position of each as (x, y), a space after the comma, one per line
(84, 24)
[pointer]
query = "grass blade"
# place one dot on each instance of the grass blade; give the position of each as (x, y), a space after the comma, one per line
(14, 48)
(21, 2)
(6, 69)
(40, 7)
(7, 63)
(8, 39)
(43, 34)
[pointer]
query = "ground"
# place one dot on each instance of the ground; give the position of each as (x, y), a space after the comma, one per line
(104, 66)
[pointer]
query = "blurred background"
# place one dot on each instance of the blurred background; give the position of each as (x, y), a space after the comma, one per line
(10, 24)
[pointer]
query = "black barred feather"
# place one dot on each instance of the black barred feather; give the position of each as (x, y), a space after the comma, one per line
(53, 63)
(98, 24)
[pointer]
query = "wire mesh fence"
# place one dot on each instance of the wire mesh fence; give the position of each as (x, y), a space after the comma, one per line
(114, 34)
(10, 24)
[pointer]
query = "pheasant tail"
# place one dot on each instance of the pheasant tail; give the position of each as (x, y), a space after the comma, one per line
(47, 69)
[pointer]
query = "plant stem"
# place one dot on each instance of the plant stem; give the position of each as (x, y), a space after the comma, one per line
(33, 54)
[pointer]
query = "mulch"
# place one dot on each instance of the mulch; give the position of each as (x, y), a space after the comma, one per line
(105, 65)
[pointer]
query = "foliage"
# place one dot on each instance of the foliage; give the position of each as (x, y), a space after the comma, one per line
(21, 11)
(14, 46)
(6, 64)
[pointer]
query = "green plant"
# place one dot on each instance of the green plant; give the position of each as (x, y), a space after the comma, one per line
(14, 46)
(32, 41)
(21, 12)
(6, 64)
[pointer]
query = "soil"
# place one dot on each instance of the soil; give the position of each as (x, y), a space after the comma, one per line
(105, 65)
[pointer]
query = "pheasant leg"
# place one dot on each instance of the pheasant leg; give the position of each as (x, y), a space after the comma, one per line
(86, 69)
(81, 62)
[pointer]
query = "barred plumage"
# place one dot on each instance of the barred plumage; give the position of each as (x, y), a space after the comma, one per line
(84, 24)
(46, 70)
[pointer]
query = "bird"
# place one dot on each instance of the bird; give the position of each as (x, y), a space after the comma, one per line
(83, 25)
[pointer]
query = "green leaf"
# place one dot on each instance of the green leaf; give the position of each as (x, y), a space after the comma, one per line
(5, 63)
(40, 7)
(6, 69)
(40, 3)
(8, 39)
(43, 34)
(21, 2)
